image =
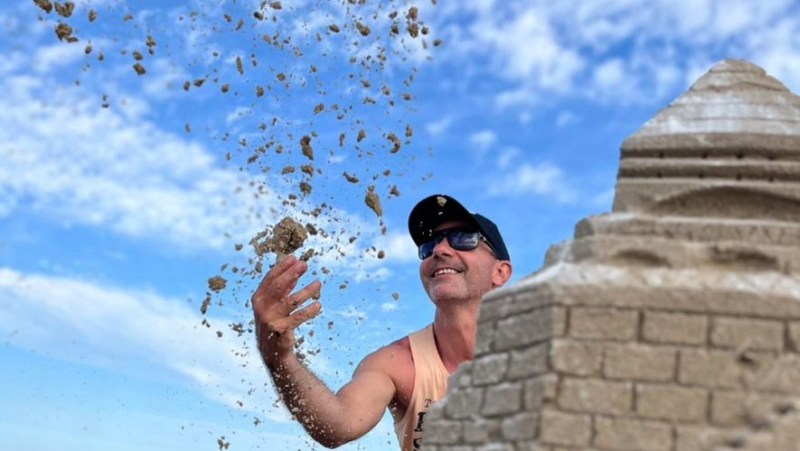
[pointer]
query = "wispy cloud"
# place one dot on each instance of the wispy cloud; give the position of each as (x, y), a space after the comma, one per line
(543, 179)
(76, 163)
(566, 118)
(398, 246)
(627, 49)
(438, 127)
(481, 141)
(129, 331)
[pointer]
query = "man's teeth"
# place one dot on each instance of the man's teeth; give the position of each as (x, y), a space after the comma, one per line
(444, 271)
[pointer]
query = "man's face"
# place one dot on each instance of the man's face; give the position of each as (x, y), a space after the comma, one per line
(454, 275)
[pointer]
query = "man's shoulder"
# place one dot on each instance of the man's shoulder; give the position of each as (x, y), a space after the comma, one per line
(397, 349)
(393, 358)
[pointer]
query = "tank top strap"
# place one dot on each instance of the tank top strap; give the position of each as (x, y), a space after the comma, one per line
(423, 350)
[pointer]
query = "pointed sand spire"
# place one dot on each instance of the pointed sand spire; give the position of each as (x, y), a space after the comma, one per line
(734, 136)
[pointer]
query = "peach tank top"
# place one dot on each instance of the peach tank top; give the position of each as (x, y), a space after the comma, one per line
(430, 385)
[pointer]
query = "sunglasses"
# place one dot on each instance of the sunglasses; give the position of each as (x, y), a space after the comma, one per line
(459, 239)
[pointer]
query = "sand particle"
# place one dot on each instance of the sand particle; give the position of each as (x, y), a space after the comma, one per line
(305, 145)
(373, 201)
(46, 5)
(363, 29)
(205, 304)
(65, 10)
(350, 178)
(64, 32)
(217, 283)
(395, 142)
(239, 65)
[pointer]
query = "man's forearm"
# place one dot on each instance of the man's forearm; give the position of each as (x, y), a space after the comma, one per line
(309, 400)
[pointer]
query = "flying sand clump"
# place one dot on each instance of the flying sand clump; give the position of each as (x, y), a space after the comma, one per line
(285, 238)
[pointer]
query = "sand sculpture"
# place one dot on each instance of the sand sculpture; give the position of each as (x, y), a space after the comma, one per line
(671, 323)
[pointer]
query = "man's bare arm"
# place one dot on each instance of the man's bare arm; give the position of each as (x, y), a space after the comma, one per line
(330, 418)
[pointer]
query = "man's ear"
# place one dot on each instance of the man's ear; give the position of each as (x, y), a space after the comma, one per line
(502, 272)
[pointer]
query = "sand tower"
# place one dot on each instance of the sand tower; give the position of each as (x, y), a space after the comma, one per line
(671, 323)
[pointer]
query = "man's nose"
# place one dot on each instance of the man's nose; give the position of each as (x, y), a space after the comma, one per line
(442, 247)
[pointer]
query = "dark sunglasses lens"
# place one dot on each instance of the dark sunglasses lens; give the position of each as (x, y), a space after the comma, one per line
(460, 240)
(426, 249)
(463, 240)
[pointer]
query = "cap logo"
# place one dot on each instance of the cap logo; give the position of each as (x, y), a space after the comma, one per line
(441, 200)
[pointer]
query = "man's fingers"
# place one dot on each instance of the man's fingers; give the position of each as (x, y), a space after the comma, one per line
(276, 271)
(304, 314)
(280, 280)
(297, 318)
(301, 296)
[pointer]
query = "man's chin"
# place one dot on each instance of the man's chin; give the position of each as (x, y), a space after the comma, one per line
(446, 294)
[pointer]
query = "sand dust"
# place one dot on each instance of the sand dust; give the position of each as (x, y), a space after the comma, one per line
(282, 67)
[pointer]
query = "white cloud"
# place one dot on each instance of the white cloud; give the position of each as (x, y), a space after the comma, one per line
(164, 79)
(55, 56)
(525, 47)
(609, 75)
(399, 247)
(604, 199)
(566, 118)
(337, 158)
(371, 273)
(236, 114)
(352, 312)
(131, 331)
(389, 306)
(77, 163)
(440, 126)
(781, 52)
(481, 141)
(507, 156)
(635, 51)
(543, 179)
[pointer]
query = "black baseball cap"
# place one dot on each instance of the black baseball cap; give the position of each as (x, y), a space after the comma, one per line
(434, 210)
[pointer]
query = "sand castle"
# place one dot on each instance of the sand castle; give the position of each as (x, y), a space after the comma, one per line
(671, 323)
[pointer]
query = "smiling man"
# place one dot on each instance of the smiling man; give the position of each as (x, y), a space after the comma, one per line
(463, 257)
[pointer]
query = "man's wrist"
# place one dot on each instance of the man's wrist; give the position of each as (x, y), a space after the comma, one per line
(274, 359)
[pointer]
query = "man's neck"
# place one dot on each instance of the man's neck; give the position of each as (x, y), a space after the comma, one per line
(454, 330)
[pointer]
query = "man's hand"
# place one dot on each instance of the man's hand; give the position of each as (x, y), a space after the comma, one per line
(278, 311)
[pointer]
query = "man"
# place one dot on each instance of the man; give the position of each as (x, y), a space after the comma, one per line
(463, 257)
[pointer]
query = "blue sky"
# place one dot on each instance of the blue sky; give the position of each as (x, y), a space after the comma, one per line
(113, 218)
